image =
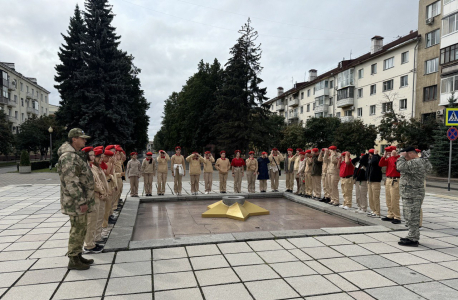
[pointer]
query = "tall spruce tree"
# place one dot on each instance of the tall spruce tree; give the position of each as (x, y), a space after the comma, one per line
(239, 113)
(6, 136)
(72, 62)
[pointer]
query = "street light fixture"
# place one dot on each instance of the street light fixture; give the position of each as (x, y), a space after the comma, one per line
(50, 130)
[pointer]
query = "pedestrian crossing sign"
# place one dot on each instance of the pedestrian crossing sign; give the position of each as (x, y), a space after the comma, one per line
(451, 116)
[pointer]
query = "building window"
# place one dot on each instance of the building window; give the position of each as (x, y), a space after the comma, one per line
(360, 112)
(386, 107)
(345, 93)
(373, 89)
(313, 105)
(388, 85)
(447, 2)
(372, 110)
(319, 100)
(433, 38)
(313, 90)
(348, 113)
(345, 78)
(22, 87)
(302, 109)
(404, 80)
(338, 115)
(430, 93)
(360, 93)
(319, 115)
(431, 66)
(449, 84)
(22, 117)
(321, 85)
(330, 115)
(405, 57)
(308, 107)
(449, 24)
(449, 54)
(360, 73)
(15, 115)
(308, 93)
(22, 101)
(330, 100)
(331, 84)
(433, 9)
(302, 95)
(46, 99)
(373, 69)
(388, 63)
(403, 104)
(15, 98)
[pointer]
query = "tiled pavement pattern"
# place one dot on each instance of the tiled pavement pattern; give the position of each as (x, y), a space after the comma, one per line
(33, 236)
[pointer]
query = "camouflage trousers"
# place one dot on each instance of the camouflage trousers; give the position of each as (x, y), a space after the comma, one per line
(411, 209)
(78, 228)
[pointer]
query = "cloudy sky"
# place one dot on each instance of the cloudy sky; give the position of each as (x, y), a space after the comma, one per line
(169, 37)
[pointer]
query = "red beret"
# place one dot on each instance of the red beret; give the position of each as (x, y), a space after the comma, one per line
(315, 150)
(195, 152)
(371, 151)
(238, 151)
(133, 153)
(108, 153)
(299, 149)
(98, 147)
(388, 149)
(118, 148)
(109, 147)
(290, 149)
(275, 149)
(161, 151)
(302, 153)
(417, 150)
(149, 153)
(264, 152)
(222, 151)
(177, 147)
(308, 151)
(98, 152)
(87, 149)
(343, 153)
(393, 148)
(332, 148)
(207, 152)
(362, 154)
(251, 152)
(123, 151)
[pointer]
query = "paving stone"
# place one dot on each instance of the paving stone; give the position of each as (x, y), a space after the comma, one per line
(271, 289)
(258, 272)
(169, 253)
(271, 257)
(265, 245)
(312, 285)
(32, 292)
(359, 238)
(50, 263)
(367, 279)
(209, 262)
(216, 276)
(432, 290)
(43, 276)
(170, 281)
(49, 253)
(450, 251)
(202, 250)
(300, 254)
(9, 239)
(226, 292)
(451, 240)
(95, 272)
(405, 259)
(289, 269)
(384, 237)
(133, 256)
(319, 268)
(342, 264)
(402, 275)
(144, 296)
(339, 296)
(15, 255)
(237, 247)
(435, 271)
(453, 283)
(131, 269)
(18, 265)
(35, 238)
(407, 249)
(341, 283)
(374, 261)
(242, 259)
(80, 289)
(434, 256)
(321, 252)
(285, 244)
(360, 295)
(380, 248)
(188, 294)
(351, 250)
(305, 242)
(7, 279)
(101, 258)
(333, 240)
(248, 236)
(129, 285)
(171, 265)
(393, 292)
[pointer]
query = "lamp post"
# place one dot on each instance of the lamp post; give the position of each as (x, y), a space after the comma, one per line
(50, 130)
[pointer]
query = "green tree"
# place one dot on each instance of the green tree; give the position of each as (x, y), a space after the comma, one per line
(293, 136)
(355, 136)
(320, 132)
(6, 136)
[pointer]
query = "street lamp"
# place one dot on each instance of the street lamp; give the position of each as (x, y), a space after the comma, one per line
(50, 130)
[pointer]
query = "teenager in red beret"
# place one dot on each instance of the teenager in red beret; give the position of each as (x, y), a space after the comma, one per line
(251, 171)
(208, 171)
(162, 170)
(133, 172)
(178, 170)
(275, 159)
(148, 173)
(223, 166)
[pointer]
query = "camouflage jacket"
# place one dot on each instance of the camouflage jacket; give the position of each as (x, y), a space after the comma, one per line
(76, 181)
(413, 176)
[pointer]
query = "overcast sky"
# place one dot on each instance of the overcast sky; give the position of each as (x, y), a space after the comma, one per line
(169, 37)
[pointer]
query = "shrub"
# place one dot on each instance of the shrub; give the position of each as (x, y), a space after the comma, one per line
(25, 158)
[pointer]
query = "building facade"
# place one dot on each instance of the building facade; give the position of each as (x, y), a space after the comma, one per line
(21, 97)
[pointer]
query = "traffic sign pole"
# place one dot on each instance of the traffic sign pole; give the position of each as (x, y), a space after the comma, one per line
(450, 165)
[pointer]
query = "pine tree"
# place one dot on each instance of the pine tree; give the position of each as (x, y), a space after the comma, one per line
(72, 62)
(239, 112)
(6, 136)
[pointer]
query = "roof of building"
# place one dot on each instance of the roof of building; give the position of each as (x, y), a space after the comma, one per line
(348, 64)
(28, 79)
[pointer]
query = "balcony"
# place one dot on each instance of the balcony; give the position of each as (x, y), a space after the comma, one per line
(5, 82)
(345, 102)
(280, 107)
(292, 116)
(322, 92)
(11, 103)
(345, 119)
(12, 119)
(28, 95)
(294, 102)
(345, 97)
(32, 110)
(35, 97)
(11, 86)
(321, 109)
(3, 100)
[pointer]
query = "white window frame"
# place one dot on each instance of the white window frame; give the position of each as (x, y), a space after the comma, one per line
(387, 85)
(308, 107)
(404, 57)
(433, 10)
(373, 89)
(360, 93)
(403, 104)
(432, 38)
(404, 81)
(360, 112)
(373, 110)
(360, 73)
(387, 105)
(388, 63)
(449, 24)
(432, 66)
(373, 69)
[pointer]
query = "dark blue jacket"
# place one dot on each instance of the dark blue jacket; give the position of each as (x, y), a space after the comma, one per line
(263, 168)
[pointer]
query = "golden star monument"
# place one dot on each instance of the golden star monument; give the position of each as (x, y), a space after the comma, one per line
(234, 207)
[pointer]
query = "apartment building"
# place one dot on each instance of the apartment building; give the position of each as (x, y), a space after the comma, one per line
(448, 58)
(21, 97)
(365, 87)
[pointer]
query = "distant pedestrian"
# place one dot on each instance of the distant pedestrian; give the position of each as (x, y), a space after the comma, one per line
(290, 160)
(195, 161)
(325, 182)
(162, 170)
(317, 168)
(178, 166)
(360, 179)
(346, 179)
(333, 173)
(263, 171)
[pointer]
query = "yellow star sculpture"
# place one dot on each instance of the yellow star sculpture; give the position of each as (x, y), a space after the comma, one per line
(235, 211)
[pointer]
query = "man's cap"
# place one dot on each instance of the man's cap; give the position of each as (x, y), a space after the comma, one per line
(133, 153)
(324, 149)
(387, 149)
(290, 149)
(302, 153)
(362, 154)
(177, 147)
(98, 147)
(161, 151)
(371, 151)
(77, 132)
(87, 149)
(332, 148)
(108, 153)
(251, 152)
(308, 151)
(149, 154)
(408, 149)
(315, 150)
(393, 148)
(98, 152)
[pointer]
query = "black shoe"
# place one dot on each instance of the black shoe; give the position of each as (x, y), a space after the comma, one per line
(263, 191)
(327, 200)
(396, 221)
(111, 220)
(322, 200)
(404, 239)
(387, 219)
(408, 243)
(96, 249)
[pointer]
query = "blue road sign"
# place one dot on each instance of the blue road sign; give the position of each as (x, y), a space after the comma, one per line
(451, 116)
(452, 133)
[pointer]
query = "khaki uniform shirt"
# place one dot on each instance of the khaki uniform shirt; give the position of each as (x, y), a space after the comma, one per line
(301, 169)
(325, 159)
(149, 168)
(162, 166)
(308, 165)
(208, 167)
(194, 164)
(134, 168)
(252, 165)
(297, 162)
(333, 166)
(178, 160)
(278, 158)
(223, 165)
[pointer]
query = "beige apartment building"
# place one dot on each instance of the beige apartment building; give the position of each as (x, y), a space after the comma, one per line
(21, 97)
(364, 88)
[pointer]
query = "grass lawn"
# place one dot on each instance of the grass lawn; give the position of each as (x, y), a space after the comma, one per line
(46, 170)
(8, 164)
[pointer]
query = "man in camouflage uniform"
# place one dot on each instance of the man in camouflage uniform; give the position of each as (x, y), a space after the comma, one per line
(412, 189)
(76, 195)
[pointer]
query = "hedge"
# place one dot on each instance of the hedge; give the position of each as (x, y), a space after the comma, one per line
(38, 165)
